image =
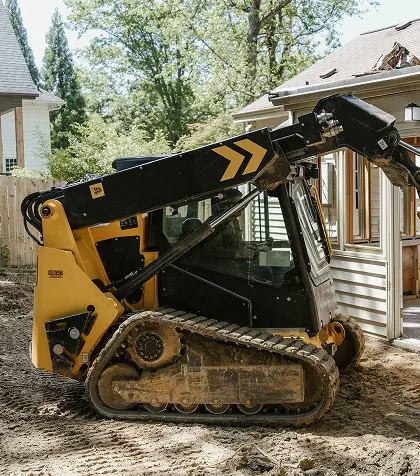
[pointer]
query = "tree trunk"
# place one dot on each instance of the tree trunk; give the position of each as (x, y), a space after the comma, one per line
(252, 47)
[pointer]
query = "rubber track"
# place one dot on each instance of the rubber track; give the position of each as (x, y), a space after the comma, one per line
(294, 349)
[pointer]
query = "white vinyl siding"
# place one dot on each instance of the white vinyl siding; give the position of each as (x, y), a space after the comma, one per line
(36, 123)
(256, 222)
(361, 290)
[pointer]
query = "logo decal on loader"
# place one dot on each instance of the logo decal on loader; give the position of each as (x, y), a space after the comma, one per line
(55, 273)
(236, 159)
(97, 190)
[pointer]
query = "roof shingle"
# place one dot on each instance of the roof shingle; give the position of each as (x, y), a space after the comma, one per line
(14, 73)
(356, 57)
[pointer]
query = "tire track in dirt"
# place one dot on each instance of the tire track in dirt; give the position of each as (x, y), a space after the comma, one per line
(47, 428)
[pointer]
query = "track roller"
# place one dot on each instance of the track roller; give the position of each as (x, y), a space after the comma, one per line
(186, 408)
(250, 409)
(155, 407)
(217, 409)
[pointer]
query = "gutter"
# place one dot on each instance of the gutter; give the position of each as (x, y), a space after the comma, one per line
(19, 95)
(55, 106)
(260, 114)
(399, 77)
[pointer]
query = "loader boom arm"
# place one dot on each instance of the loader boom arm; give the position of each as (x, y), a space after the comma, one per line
(346, 121)
(265, 158)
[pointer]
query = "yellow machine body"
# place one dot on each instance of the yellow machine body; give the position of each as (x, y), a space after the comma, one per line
(68, 264)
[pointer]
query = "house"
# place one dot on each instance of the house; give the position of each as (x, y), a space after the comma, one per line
(36, 131)
(373, 226)
(24, 111)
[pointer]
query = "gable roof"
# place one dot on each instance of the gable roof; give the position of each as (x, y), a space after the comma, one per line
(15, 79)
(354, 58)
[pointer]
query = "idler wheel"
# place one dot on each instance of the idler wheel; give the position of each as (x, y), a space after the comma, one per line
(110, 375)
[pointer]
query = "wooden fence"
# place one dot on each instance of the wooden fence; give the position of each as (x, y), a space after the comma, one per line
(16, 247)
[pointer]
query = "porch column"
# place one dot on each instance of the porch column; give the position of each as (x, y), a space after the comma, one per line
(20, 152)
(390, 227)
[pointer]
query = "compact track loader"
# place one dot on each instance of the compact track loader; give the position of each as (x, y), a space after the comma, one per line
(149, 292)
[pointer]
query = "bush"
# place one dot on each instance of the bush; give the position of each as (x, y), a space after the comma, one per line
(96, 145)
(29, 173)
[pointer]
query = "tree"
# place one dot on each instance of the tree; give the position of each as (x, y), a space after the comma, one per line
(59, 77)
(258, 44)
(191, 59)
(213, 130)
(22, 36)
(151, 42)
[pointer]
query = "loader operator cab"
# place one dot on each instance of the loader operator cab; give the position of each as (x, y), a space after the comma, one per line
(258, 268)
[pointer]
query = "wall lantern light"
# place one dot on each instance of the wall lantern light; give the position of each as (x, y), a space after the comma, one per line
(412, 112)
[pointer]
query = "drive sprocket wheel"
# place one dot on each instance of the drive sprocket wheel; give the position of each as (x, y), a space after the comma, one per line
(153, 346)
(350, 351)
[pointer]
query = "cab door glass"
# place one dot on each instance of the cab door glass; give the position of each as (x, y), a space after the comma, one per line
(312, 234)
(253, 246)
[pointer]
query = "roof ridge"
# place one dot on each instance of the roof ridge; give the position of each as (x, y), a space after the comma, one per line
(387, 27)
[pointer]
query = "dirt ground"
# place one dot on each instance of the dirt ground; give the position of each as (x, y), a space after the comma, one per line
(47, 428)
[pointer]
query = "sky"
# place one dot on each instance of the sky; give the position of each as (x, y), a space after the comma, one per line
(37, 18)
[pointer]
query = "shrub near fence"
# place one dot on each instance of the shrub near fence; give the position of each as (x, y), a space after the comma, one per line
(16, 247)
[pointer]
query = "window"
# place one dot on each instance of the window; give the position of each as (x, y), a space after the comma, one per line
(310, 228)
(327, 189)
(265, 220)
(359, 183)
(411, 205)
(417, 201)
(10, 163)
(363, 199)
(181, 221)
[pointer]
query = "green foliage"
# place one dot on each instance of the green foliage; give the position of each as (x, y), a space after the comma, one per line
(59, 77)
(151, 43)
(24, 172)
(255, 46)
(163, 65)
(213, 130)
(96, 145)
(22, 36)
